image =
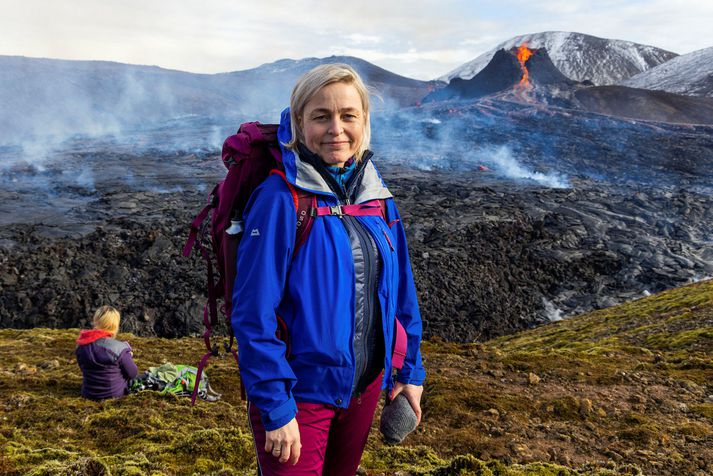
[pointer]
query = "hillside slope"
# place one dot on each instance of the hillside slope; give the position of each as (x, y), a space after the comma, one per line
(618, 391)
(55, 99)
(690, 74)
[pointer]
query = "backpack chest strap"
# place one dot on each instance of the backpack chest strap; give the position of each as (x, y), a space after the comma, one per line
(307, 209)
(372, 208)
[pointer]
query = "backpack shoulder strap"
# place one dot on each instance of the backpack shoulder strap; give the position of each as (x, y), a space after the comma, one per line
(304, 202)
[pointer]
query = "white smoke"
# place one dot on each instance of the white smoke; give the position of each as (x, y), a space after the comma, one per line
(551, 311)
(85, 179)
(433, 140)
(501, 160)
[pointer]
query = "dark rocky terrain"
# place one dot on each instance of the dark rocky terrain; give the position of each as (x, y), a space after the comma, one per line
(489, 260)
(587, 223)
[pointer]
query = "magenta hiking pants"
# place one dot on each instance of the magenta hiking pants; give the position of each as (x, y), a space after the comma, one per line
(333, 439)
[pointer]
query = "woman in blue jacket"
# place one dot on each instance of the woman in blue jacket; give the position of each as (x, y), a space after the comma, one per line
(312, 395)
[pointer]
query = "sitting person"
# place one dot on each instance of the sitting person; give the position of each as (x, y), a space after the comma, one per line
(107, 364)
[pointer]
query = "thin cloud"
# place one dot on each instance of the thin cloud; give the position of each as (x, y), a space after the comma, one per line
(359, 39)
(418, 38)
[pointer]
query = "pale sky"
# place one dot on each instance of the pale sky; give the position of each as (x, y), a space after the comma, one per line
(421, 39)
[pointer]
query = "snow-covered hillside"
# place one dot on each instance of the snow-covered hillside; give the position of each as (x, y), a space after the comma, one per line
(579, 57)
(690, 74)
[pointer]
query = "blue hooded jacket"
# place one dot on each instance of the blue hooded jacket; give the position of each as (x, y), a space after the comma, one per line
(313, 293)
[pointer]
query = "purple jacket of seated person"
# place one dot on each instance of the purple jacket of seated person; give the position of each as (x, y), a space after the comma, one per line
(106, 363)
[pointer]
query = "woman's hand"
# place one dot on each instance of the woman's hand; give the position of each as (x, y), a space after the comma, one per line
(412, 394)
(284, 443)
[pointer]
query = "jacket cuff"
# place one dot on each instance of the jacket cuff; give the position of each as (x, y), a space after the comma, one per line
(280, 416)
(411, 376)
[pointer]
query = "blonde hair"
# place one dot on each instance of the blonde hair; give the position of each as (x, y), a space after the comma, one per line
(107, 318)
(314, 80)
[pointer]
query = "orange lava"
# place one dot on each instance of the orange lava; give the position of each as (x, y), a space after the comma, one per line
(523, 54)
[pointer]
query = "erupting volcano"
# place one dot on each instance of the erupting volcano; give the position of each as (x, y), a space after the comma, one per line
(528, 75)
(514, 69)
(523, 54)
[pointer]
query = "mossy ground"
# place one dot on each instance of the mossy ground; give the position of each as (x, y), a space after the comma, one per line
(620, 391)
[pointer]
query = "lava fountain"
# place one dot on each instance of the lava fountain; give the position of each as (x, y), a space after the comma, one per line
(523, 54)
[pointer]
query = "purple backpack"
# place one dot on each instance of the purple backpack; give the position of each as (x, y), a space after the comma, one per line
(252, 155)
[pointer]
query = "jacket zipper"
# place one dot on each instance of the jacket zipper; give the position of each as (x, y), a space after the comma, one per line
(365, 243)
(343, 197)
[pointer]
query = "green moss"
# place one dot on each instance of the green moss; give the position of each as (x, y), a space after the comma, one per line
(23, 456)
(634, 323)
(81, 466)
(464, 465)
(639, 429)
(683, 339)
(704, 409)
(113, 427)
(130, 464)
(232, 447)
(400, 458)
(422, 461)
(694, 429)
(591, 371)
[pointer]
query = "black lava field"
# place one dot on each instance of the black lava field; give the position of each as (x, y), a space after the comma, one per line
(517, 213)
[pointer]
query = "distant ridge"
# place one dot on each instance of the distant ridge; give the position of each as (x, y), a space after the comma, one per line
(690, 74)
(57, 98)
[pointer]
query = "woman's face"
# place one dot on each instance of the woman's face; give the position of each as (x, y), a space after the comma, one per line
(333, 123)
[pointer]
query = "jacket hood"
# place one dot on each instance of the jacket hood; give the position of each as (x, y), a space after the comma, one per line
(89, 336)
(303, 175)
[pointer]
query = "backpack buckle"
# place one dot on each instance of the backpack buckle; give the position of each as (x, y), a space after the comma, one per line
(336, 210)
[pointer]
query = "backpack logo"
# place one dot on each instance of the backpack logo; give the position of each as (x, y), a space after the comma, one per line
(255, 232)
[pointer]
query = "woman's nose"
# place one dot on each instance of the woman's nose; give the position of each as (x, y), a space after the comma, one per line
(335, 126)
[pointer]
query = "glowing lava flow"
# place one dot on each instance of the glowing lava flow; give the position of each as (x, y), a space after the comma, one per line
(523, 54)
